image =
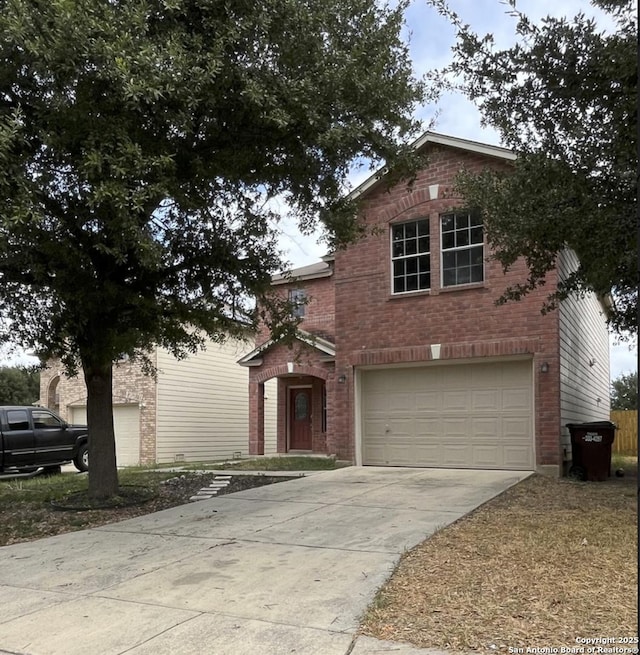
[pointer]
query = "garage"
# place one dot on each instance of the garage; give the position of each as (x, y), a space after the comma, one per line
(451, 416)
(126, 423)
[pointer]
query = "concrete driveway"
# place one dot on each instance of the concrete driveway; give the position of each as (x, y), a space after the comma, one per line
(286, 568)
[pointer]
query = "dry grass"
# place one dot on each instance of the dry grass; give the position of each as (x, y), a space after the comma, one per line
(546, 562)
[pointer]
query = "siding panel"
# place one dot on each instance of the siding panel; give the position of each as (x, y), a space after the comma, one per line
(584, 356)
(203, 404)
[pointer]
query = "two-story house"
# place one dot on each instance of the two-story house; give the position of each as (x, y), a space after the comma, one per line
(404, 358)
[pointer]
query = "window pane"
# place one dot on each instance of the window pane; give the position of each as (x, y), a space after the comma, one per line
(448, 277)
(448, 260)
(447, 223)
(462, 238)
(423, 244)
(464, 275)
(412, 265)
(18, 420)
(425, 280)
(476, 219)
(424, 264)
(476, 273)
(398, 248)
(409, 230)
(476, 235)
(301, 410)
(463, 258)
(45, 420)
(412, 282)
(398, 285)
(423, 228)
(476, 256)
(448, 240)
(462, 220)
(411, 247)
(398, 232)
(398, 268)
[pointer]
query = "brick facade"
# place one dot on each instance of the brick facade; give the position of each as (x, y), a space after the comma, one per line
(372, 326)
(298, 364)
(377, 327)
(130, 386)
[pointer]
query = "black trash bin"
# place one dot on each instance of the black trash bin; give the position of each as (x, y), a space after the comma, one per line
(591, 448)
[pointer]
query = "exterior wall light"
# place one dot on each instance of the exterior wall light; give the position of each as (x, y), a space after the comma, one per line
(544, 367)
(342, 379)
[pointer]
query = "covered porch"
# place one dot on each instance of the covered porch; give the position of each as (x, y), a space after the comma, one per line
(304, 374)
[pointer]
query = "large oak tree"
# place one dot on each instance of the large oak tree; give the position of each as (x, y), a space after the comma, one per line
(140, 144)
(564, 98)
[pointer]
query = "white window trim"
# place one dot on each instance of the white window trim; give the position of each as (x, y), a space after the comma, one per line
(392, 258)
(455, 249)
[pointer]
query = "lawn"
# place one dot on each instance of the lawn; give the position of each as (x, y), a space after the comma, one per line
(544, 563)
(27, 504)
(27, 513)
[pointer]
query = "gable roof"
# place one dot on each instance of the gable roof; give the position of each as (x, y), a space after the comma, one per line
(324, 346)
(443, 140)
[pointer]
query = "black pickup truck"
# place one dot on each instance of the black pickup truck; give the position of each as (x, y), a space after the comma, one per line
(35, 437)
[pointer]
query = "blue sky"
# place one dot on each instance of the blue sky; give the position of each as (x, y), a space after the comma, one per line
(431, 38)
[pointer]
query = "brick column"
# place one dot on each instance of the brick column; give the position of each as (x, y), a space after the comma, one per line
(256, 418)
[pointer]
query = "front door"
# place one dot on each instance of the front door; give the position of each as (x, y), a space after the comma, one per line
(300, 419)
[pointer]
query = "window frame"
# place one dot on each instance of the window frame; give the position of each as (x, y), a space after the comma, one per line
(416, 256)
(298, 300)
(469, 247)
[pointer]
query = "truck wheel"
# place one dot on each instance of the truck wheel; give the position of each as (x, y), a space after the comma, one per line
(81, 461)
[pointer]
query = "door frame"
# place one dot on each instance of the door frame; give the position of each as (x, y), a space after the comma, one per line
(289, 388)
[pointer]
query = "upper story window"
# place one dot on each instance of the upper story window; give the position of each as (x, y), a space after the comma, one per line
(298, 300)
(462, 249)
(410, 259)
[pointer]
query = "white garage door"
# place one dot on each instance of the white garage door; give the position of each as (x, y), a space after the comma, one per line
(456, 416)
(126, 423)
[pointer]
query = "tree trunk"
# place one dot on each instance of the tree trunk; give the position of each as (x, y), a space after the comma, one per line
(103, 472)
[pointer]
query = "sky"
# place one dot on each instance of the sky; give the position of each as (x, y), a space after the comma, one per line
(431, 38)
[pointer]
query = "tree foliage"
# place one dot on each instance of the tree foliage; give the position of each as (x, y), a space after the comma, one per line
(19, 385)
(624, 391)
(141, 145)
(564, 99)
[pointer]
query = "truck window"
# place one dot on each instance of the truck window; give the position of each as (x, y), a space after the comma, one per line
(17, 419)
(45, 420)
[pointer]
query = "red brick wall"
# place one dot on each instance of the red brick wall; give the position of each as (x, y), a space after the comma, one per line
(375, 327)
(319, 317)
(307, 369)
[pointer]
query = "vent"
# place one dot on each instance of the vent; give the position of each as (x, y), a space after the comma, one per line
(178, 457)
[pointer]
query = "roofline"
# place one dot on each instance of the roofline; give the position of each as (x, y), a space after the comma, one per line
(443, 140)
(319, 343)
(280, 279)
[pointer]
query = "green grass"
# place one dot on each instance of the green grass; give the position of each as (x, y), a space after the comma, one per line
(283, 464)
(628, 463)
(42, 489)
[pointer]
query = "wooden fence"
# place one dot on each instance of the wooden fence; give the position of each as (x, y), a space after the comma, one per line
(626, 441)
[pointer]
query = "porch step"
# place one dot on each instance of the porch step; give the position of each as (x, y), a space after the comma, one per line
(207, 493)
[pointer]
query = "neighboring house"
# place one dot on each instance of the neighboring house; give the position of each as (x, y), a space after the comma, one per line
(196, 409)
(413, 363)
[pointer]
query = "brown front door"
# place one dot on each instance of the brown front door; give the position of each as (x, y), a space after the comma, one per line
(300, 419)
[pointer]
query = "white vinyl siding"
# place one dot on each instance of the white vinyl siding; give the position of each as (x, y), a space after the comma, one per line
(202, 404)
(126, 424)
(455, 416)
(584, 355)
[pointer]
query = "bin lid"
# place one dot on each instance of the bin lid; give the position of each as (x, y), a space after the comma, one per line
(594, 425)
